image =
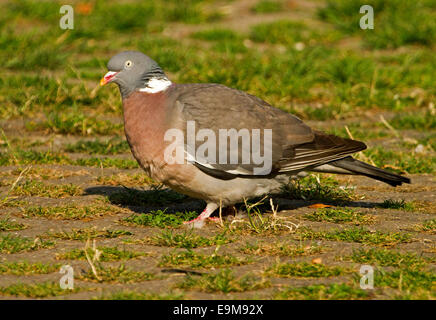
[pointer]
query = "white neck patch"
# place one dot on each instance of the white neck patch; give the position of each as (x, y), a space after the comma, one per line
(155, 85)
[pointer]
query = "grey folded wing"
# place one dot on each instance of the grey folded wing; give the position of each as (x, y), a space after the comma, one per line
(292, 145)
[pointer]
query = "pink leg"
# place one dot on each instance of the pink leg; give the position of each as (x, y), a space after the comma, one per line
(210, 208)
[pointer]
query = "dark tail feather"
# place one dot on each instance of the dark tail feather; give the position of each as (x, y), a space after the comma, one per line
(365, 169)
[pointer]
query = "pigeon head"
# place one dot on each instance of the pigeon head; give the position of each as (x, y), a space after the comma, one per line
(133, 71)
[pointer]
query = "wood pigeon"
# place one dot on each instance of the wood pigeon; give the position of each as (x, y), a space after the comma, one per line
(219, 144)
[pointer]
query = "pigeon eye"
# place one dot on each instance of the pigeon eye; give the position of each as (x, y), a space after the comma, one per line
(128, 64)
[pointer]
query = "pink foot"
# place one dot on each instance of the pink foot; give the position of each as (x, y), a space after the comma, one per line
(210, 208)
(201, 217)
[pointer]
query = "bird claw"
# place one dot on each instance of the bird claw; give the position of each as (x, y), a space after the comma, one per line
(199, 221)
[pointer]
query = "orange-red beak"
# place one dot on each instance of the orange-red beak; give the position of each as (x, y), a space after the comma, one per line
(108, 77)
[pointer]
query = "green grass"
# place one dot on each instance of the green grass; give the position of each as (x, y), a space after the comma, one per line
(223, 281)
(70, 212)
(25, 157)
(397, 204)
(304, 270)
(15, 103)
(259, 223)
(195, 260)
(88, 233)
(424, 121)
(120, 274)
(428, 226)
(136, 179)
(106, 254)
(75, 124)
(112, 146)
(419, 294)
(267, 6)
(107, 163)
(405, 279)
(36, 290)
(159, 218)
(303, 71)
(387, 258)
(283, 249)
(360, 131)
(298, 73)
(324, 189)
(401, 161)
(46, 173)
(397, 22)
(216, 35)
(340, 215)
(359, 235)
(11, 203)
(6, 224)
(284, 32)
(24, 268)
(187, 240)
(333, 291)
(16, 48)
(349, 70)
(124, 17)
(38, 189)
(13, 244)
(429, 140)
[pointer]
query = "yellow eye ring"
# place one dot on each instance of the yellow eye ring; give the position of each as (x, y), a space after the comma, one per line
(128, 64)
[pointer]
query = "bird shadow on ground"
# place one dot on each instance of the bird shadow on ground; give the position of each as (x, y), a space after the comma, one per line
(144, 201)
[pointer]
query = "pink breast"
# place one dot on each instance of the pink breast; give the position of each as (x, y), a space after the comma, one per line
(144, 125)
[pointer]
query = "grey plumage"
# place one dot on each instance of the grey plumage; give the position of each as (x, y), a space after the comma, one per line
(295, 148)
(362, 168)
(138, 74)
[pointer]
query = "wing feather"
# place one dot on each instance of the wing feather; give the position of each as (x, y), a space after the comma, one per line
(295, 146)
